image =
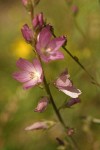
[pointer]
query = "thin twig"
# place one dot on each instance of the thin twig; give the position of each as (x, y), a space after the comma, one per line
(93, 81)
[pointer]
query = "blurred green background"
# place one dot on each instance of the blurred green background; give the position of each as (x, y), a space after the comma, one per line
(17, 106)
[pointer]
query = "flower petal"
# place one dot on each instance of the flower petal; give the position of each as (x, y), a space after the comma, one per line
(64, 84)
(37, 66)
(21, 76)
(38, 21)
(37, 126)
(73, 92)
(25, 65)
(27, 33)
(40, 17)
(30, 83)
(35, 21)
(56, 43)
(55, 55)
(44, 38)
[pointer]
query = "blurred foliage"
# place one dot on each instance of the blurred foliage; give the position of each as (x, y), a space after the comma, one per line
(16, 105)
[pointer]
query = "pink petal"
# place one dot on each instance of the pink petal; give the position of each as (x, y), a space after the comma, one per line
(21, 76)
(44, 58)
(37, 66)
(56, 43)
(55, 55)
(44, 37)
(25, 65)
(74, 93)
(35, 21)
(37, 126)
(63, 82)
(40, 17)
(30, 83)
(27, 33)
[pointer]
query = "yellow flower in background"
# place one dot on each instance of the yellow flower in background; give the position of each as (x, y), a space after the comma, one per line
(21, 49)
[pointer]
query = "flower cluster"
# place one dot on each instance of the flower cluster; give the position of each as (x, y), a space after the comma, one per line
(47, 49)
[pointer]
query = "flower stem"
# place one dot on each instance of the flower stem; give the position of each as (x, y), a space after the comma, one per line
(69, 138)
(53, 103)
(93, 81)
(56, 110)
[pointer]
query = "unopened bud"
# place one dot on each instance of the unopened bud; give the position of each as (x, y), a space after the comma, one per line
(70, 131)
(27, 4)
(27, 33)
(72, 102)
(38, 21)
(42, 105)
(40, 125)
(74, 9)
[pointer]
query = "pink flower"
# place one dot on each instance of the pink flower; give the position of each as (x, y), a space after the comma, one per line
(48, 48)
(64, 84)
(40, 125)
(42, 105)
(38, 21)
(27, 33)
(30, 73)
(37, 126)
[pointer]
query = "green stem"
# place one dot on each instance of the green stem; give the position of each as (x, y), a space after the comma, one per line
(70, 138)
(53, 103)
(56, 110)
(78, 62)
(93, 81)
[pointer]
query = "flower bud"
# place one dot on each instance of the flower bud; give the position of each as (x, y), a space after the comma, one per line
(36, 126)
(42, 105)
(72, 102)
(40, 125)
(27, 4)
(70, 131)
(38, 21)
(74, 9)
(27, 33)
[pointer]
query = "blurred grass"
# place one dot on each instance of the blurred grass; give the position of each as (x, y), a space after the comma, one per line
(16, 105)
